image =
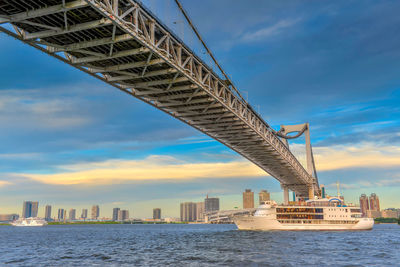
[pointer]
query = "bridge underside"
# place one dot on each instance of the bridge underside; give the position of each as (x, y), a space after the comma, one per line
(124, 45)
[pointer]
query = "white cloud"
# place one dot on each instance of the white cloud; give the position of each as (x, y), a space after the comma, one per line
(28, 109)
(269, 31)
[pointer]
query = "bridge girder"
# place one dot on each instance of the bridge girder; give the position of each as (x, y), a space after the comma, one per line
(124, 45)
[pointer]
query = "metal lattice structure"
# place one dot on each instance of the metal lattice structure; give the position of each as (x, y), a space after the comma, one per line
(123, 44)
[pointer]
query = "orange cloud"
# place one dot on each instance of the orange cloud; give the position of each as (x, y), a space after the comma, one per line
(364, 155)
(169, 168)
(4, 183)
(152, 168)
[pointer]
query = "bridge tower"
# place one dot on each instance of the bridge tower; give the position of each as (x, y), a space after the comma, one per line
(300, 129)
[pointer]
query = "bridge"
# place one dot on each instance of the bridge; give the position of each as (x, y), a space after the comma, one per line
(123, 44)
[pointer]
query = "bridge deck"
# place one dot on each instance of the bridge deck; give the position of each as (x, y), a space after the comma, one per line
(123, 44)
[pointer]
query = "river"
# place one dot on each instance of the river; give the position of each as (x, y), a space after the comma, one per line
(194, 245)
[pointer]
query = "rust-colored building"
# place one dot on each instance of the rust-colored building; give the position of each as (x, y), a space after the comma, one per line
(364, 206)
(248, 199)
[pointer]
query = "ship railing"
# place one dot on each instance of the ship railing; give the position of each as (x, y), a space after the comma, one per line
(318, 221)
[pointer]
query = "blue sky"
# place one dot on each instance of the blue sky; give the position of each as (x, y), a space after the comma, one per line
(332, 64)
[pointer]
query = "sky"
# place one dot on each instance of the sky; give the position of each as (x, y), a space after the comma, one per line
(68, 140)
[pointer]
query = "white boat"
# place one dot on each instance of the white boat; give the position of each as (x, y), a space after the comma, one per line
(317, 214)
(29, 222)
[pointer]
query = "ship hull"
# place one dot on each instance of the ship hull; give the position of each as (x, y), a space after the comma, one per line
(267, 224)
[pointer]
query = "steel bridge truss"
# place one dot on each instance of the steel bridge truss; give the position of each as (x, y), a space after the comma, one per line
(126, 46)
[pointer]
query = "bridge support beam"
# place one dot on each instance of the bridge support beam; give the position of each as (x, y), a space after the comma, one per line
(143, 47)
(285, 195)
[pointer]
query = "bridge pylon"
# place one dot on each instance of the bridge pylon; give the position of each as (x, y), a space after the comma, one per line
(300, 129)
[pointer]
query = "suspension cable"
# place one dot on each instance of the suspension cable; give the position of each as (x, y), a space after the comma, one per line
(207, 49)
(225, 75)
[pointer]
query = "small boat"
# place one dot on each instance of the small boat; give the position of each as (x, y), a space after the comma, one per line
(32, 221)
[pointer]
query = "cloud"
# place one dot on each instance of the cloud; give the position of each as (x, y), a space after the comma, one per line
(269, 31)
(366, 155)
(4, 183)
(168, 168)
(19, 155)
(339, 157)
(151, 168)
(29, 109)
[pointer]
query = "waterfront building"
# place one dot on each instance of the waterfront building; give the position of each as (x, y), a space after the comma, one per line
(248, 199)
(264, 195)
(188, 212)
(84, 214)
(47, 213)
(30, 209)
(364, 206)
(115, 214)
(72, 215)
(5, 218)
(374, 202)
(171, 220)
(200, 208)
(157, 214)
(390, 213)
(211, 204)
(60, 214)
(123, 215)
(374, 214)
(95, 212)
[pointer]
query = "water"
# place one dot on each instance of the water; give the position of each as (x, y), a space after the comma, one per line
(194, 245)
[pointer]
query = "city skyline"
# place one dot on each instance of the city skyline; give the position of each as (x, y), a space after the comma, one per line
(93, 144)
(197, 209)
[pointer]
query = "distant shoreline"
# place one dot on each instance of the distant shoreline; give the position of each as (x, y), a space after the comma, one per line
(107, 222)
(112, 222)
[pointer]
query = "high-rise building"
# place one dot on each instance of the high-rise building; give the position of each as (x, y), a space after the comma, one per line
(248, 199)
(47, 213)
(72, 215)
(60, 214)
(95, 212)
(84, 214)
(364, 204)
(123, 215)
(115, 214)
(323, 191)
(35, 208)
(188, 211)
(264, 195)
(30, 209)
(211, 204)
(200, 211)
(374, 202)
(157, 214)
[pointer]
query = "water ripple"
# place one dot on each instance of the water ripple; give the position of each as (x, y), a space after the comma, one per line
(194, 245)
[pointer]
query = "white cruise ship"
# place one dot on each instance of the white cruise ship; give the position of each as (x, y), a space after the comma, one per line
(319, 214)
(29, 222)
